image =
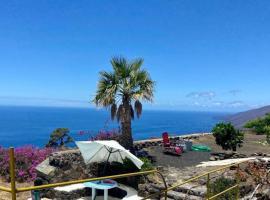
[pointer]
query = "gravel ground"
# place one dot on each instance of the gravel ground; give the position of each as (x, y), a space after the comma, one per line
(187, 159)
(191, 158)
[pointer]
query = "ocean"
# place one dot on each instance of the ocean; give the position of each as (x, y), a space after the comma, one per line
(32, 125)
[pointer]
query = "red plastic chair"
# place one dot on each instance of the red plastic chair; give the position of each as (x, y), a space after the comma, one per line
(169, 147)
(166, 139)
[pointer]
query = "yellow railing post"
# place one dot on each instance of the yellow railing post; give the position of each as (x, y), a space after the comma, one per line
(208, 186)
(165, 185)
(238, 182)
(12, 173)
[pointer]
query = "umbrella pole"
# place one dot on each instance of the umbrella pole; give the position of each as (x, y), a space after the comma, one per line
(105, 167)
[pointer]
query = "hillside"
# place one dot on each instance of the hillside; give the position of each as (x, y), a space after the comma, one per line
(239, 119)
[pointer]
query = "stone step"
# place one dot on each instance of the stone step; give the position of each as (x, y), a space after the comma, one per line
(193, 189)
(163, 198)
(182, 196)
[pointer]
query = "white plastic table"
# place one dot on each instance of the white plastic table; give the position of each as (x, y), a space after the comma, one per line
(101, 185)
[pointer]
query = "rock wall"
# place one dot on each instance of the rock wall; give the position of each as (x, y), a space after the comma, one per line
(64, 166)
(158, 141)
(69, 165)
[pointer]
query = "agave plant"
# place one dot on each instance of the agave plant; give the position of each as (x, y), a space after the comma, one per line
(122, 91)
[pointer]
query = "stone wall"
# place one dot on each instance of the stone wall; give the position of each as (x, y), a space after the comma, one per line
(69, 165)
(158, 141)
(64, 166)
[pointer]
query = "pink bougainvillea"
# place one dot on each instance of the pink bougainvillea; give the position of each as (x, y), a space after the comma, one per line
(26, 160)
(102, 134)
(106, 135)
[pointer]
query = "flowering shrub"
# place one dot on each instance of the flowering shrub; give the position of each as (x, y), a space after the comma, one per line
(106, 135)
(26, 160)
(103, 135)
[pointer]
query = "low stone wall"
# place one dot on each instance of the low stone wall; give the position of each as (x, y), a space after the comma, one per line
(140, 144)
(234, 155)
(69, 165)
(63, 166)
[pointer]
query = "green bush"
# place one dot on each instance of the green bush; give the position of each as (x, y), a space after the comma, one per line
(59, 138)
(227, 136)
(261, 126)
(147, 164)
(256, 125)
(221, 184)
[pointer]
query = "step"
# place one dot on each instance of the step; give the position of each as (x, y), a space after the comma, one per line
(182, 196)
(193, 189)
(163, 198)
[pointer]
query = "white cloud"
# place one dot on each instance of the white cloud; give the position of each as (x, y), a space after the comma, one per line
(236, 104)
(202, 95)
(217, 103)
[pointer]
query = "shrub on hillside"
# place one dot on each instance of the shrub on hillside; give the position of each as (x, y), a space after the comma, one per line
(261, 126)
(221, 184)
(26, 160)
(227, 136)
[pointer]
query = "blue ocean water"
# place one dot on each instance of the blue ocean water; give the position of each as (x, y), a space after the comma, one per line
(33, 125)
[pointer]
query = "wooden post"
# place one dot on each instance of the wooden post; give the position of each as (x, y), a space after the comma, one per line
(12, 173)
(208, 186)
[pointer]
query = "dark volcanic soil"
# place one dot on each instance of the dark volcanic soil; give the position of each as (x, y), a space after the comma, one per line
(251, 145)
(187, 159)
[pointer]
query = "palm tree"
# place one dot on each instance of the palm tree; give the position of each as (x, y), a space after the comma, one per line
(122, 91)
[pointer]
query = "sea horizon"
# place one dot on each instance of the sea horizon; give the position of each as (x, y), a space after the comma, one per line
(104, 109)
(32, 125)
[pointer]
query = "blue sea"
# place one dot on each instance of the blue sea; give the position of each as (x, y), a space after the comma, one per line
(33, 125)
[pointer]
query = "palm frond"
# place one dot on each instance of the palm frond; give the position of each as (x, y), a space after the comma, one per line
(138, 108)
(113, 111)
(107, 89)
(120, 112)
(120, 66)
(131, 112)
(136, 64)
(127, 83)
(143, 87)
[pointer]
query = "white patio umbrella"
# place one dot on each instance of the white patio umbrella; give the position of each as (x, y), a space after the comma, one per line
(105, 150)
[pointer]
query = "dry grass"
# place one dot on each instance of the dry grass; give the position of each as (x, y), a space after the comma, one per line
(20, 196)
(251, 144)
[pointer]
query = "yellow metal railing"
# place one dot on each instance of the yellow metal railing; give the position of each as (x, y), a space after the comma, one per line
(207, 174)
(14, 190)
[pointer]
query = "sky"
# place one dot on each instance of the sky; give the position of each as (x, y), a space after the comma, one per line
(205, 55)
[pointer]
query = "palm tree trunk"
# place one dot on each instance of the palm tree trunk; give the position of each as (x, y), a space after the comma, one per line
(126, 137)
